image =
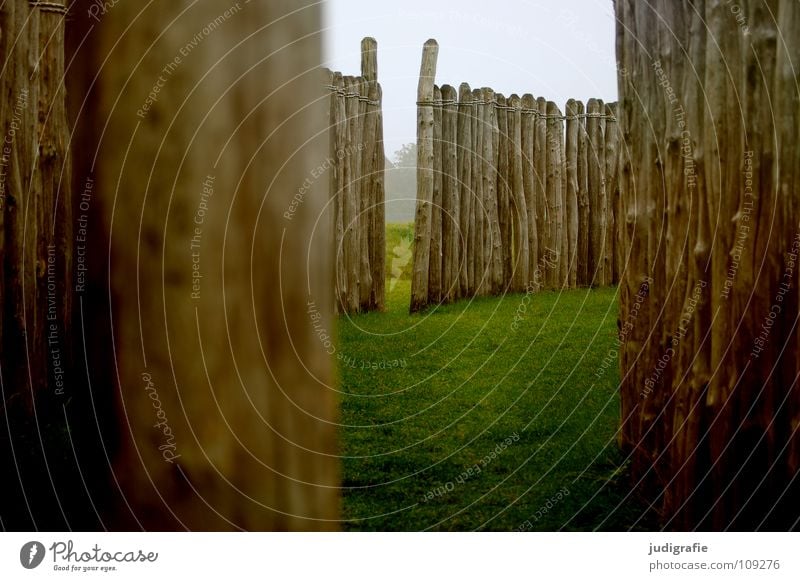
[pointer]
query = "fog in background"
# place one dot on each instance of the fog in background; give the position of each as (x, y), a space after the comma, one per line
(557, 49)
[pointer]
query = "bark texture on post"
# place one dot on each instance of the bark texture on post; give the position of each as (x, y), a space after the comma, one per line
(464, 154)
(378, 198)
(596, 196)
(554, 207)
(504, 189)
(352, 242)
(227, 420)
(42, 399)
(366, 155)
(519, 207)
(481, 210)
(435, 272)
(543, 215)
(529, 183)
(571, 166)
(612, 192)
(450, 199)
(583, 278)
(425, 177)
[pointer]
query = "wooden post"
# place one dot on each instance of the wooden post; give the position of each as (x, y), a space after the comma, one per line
(352, 241)
(366, 156)
(603, 204)
(341, 171)
(372, 175)
(554, 195)
(596, 197)
(435, 272)
(450, 196)
(41, 399)
(332, 173)
(494, 253)
(563, 263)
(504, 189)
(787, 180)
(475, 237)
(543, 216)
(464, 156)
(529, 183)
(425, 178)
(378, 257)
(226, 420)
(480, 209)
(583, 278)
(519, 206)
(612, 191)
(572, 123)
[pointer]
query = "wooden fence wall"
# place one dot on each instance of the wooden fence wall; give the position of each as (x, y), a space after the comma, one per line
(357, 161)
(513, 195)
(710, 353)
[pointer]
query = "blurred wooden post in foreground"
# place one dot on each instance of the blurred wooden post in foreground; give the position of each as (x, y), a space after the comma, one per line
(206, 155)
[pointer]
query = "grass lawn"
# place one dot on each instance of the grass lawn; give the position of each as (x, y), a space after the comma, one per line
(457, 419)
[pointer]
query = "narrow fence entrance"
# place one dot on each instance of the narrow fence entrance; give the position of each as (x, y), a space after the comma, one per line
(512, 194)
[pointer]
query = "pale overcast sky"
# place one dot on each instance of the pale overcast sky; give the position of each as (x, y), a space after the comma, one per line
(556, 49)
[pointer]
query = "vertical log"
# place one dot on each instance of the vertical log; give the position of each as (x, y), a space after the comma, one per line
(245, 434)
(464, 155)
(529, 183)
(596, 198)
(612, 192)
(372, 174)
(475, 239)
(435, 272)
(554, 196)
(341, 171)
(425, 178)
(378, 257)
(787, 175)
(37, 251)
(479, 213)
(563, 264)
(542, 200)
(367, 115)
(352, 240)
(519, 206)
(602, 203)
(493, 239)
(571, 150)
(583, 278)
(331, 77)
(450, 196)
(504, 209)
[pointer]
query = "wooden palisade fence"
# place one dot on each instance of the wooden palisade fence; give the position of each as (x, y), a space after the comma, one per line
(357, 161)
(36, 225)
(710, 181)
(512, 194)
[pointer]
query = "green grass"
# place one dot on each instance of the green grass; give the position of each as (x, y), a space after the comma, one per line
(426, 397)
